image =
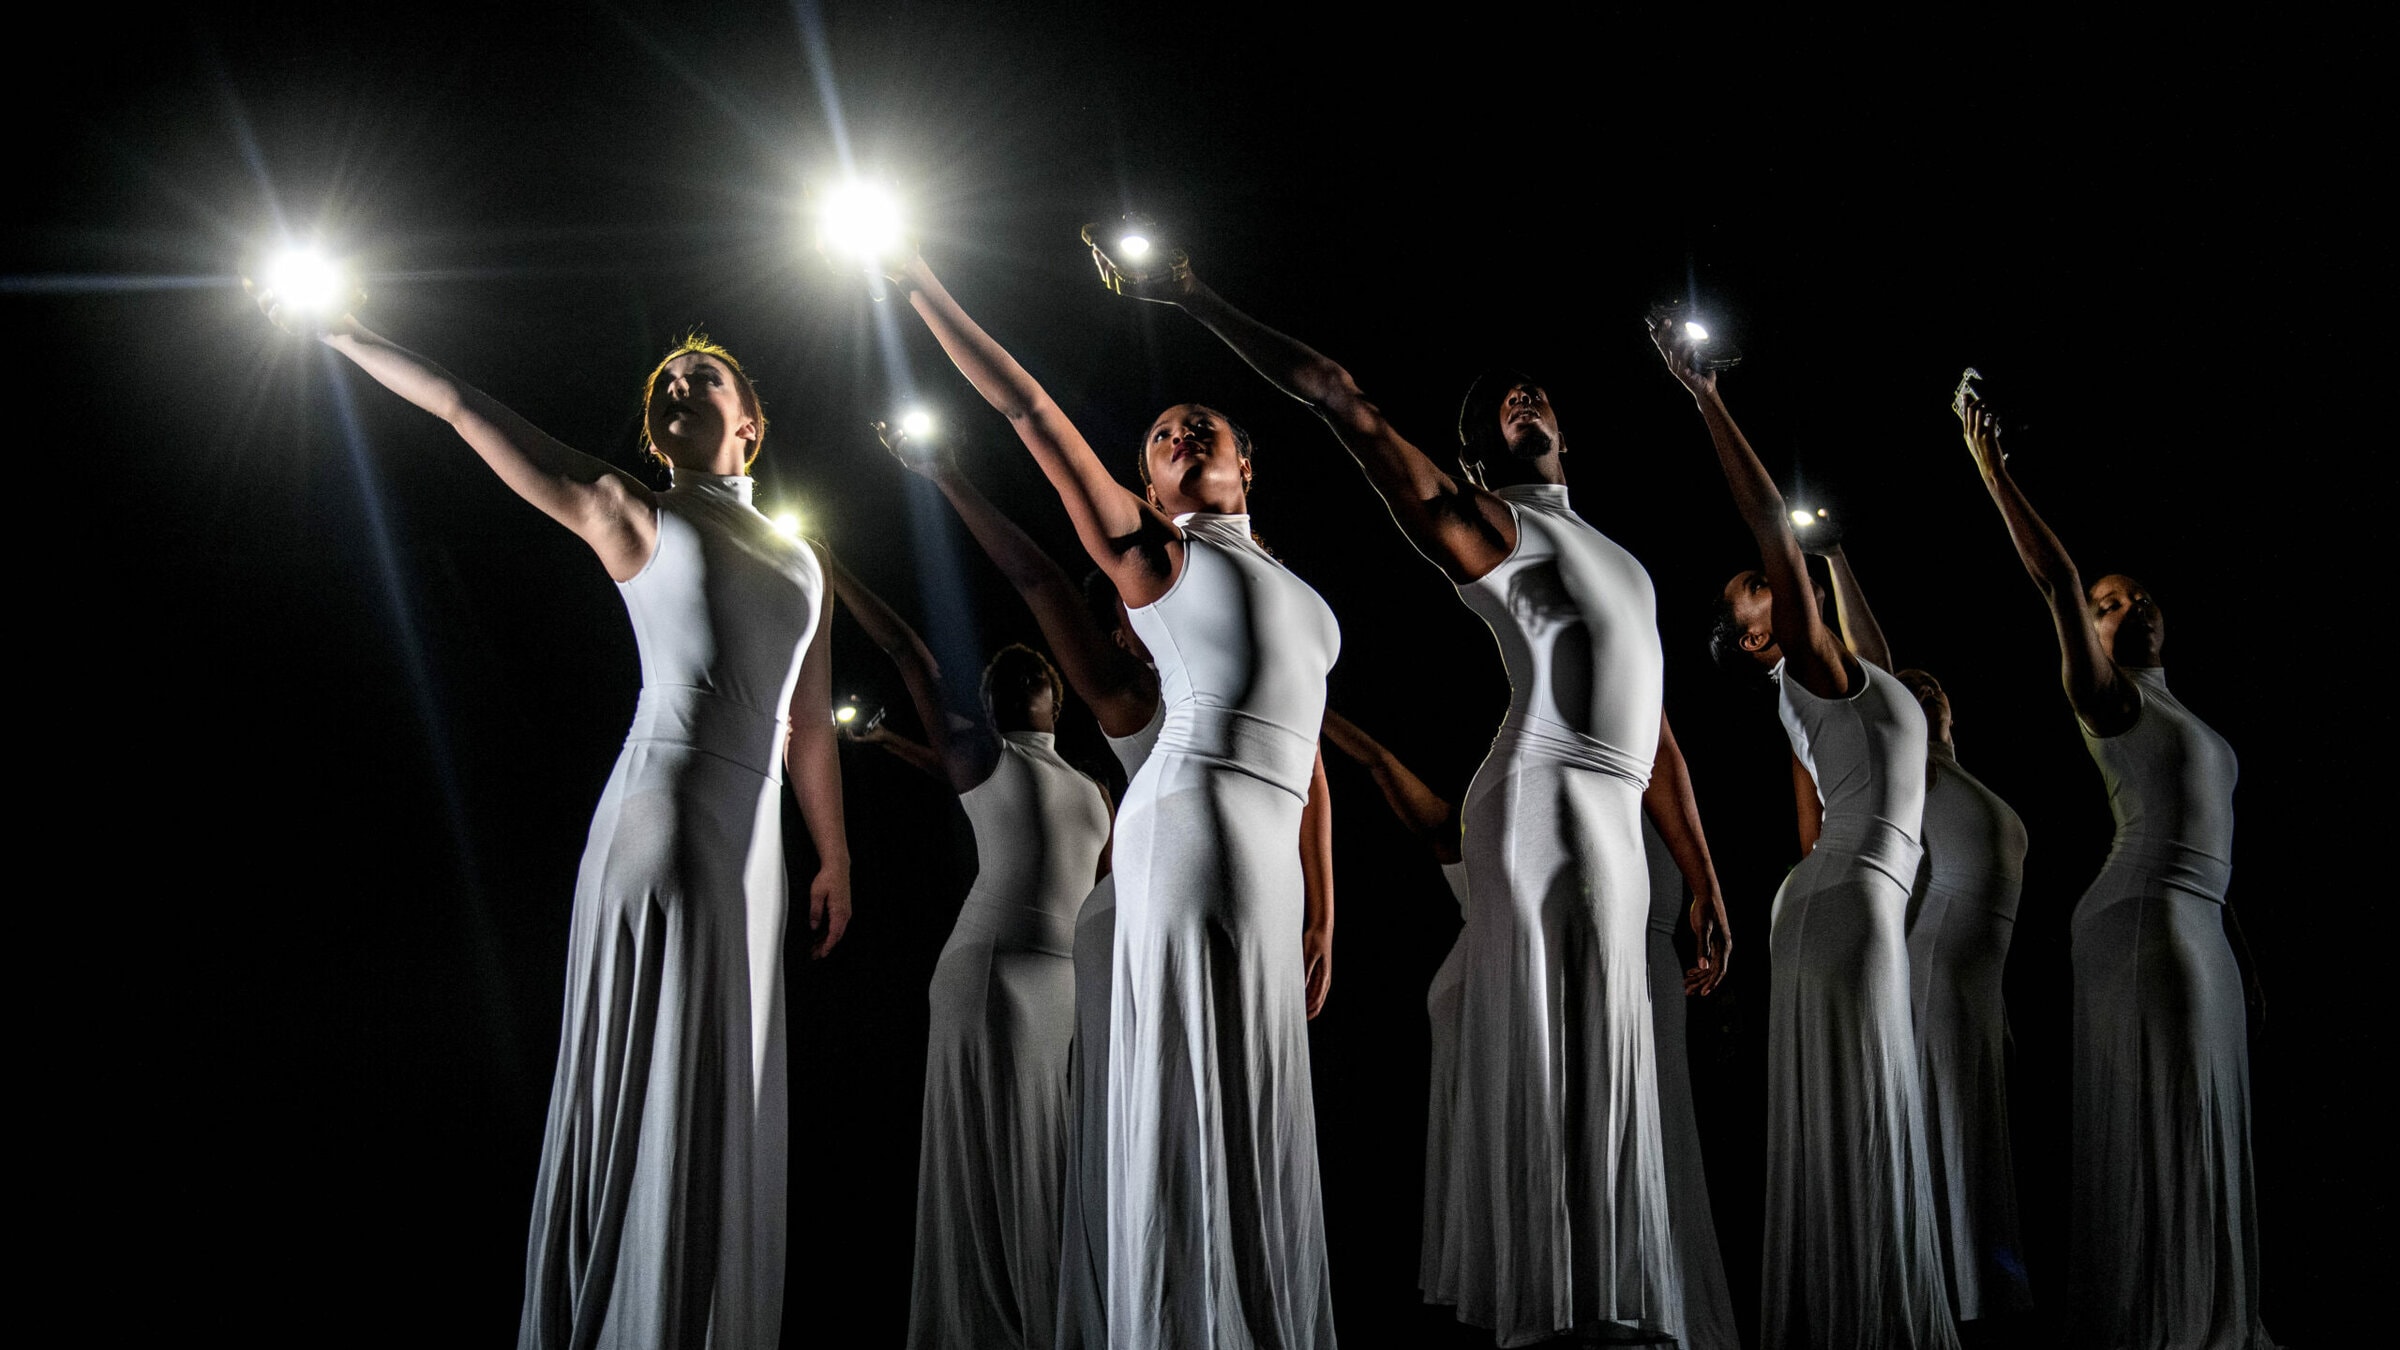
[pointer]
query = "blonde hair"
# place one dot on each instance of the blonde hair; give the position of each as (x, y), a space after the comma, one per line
(692, 343)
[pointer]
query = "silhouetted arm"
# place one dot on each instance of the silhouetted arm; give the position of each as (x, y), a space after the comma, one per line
(1811, 808)
(1422, 810)
(1860, 632)
(1316, 876)
(963, 751)
(812, 763)
(1676, 812)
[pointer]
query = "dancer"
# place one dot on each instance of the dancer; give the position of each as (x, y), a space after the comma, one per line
(2164, 1240)
(989, 1171)
(1109, 669)
(1961, 916)
(1216, 1231)
(658, 1218)
(1557, 1201)
(1852, 1259)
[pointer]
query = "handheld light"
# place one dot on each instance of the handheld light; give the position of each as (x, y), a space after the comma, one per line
(917, 422)
(1134, 251)
(787, 524)
(308, 283)
(861, 221)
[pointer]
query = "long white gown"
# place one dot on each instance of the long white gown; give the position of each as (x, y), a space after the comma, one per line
(2164, 1244)
(1960, 920)
(991, 1164)
(658, 1220)
(1216, 1226)
(1853, 1261)
(1083, 1230)
(1707, 1299)
(1557, 1210)
(1437, 1251)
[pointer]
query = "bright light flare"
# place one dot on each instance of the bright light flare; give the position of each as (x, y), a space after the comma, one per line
(1803, 519)
(917, 422)
(1135, 247)
(305, 281)
(846, 714)
(1695, 332)
(787, 524)
(862, 221)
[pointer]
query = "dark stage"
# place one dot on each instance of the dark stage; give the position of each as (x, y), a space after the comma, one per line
(355, 701)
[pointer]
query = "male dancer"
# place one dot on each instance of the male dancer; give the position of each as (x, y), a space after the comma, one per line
(1557, 1189)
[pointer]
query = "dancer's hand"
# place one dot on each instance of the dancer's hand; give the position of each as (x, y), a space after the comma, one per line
(1170, 283)
(1712, 941)
(926, 457)
(297, 323)
(1316, 948)
(1681, 356)
(1982, 431)
(829, 906)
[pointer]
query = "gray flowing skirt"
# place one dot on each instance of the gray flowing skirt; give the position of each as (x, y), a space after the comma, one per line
(1083, 1222)
(1707, 1300)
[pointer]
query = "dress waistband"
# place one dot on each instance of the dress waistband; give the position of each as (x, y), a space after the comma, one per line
(2175, 864)
(1015, 927)
(1555, 741)
(1268, 751)
(1980, 896)
(1878, 843)
(682, 714)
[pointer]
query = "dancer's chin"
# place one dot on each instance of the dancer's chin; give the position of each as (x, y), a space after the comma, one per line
(1529, 442)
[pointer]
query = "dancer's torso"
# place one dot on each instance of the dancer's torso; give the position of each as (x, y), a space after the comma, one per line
(1867, 753)
(1974, 843)
(2170, 786)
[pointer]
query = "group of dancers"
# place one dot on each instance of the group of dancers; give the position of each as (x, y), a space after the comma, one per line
(1119, 1146)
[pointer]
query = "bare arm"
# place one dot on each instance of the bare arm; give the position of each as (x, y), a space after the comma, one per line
(1813, 655)
(1676, 812)
(915, 754)
(965, 760)
(1860, 632)
(1135, 545)
(1316, 874)
(1809, 806)
(1420, 808)
(1463, 529)
(2100, 696)
(608, 510)
(812, 764)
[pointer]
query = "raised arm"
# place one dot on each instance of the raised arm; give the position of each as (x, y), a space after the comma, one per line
(1812, 653)
(1125, 535)
(610, 511)
(1316, 876)
(2100, 695)
(1860, 633)
(964, 747)
(812, 764)
(1676, 812)
(1420, 808)
(1121, 691)
(1463, 529)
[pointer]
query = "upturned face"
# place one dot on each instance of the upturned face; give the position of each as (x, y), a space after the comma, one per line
(1195, 463)
(696, 410)
(1753, 602)
(2129, 620)
(1528, 424)
(1931, 697)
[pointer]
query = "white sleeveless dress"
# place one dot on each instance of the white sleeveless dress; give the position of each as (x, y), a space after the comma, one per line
(1083, 1230)
(2164, 1246)
(658, 1220)
(991, 1162)
(1707, 1300)
(1557, 1210)
(1853, 1260)
(1960, 920)
(1216, 1228)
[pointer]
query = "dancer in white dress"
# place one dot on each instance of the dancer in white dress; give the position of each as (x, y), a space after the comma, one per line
(658, 1219)
(1852, 1258)
(2163, 1245)
(1216, 1232)
(1557, 1199)
(994, 1140)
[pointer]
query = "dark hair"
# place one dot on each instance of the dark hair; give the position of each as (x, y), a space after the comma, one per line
(698, 342)
(1725, 634)
(1479, 435)
(1100, 600)
(1017, 669)
(1241, 444)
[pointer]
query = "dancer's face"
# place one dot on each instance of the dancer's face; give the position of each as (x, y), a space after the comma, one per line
(1932, 698)
(1528, 424)
(1195, 463)
(2129, 620)
(697, 413)
(1754, 609)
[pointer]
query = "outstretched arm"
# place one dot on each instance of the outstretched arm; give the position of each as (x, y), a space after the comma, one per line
(1860, 632)
(1814, 656)
(1316, 875)
(2100, 696)
(1419, 807)
(1121, 692)
(1463, 529)
(813, 766)
(611, 512)
(1125, 535)
(965, 749)
(1676, 812)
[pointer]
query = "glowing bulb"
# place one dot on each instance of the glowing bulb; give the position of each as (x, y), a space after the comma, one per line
(1803, 519)
(1821, 513)
(1134, 247)
(862, 220)
(845, 713)
(1695, 332)
(306, 282)
(787, 524)
(917, 422)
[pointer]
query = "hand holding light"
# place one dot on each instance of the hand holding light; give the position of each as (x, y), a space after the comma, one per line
(304, 292)
(1135, 259)
(916, 443)
(1816, 530)
(860, 227)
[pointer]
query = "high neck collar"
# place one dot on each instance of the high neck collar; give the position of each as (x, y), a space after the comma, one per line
(1534, 494)
(1039, 740)
(1941, 749)
(1237, 521)
(735, 486)
(2149, 677)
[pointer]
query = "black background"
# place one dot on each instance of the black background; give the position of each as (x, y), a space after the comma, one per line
(320, 710)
